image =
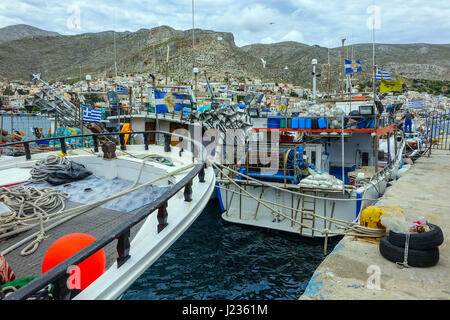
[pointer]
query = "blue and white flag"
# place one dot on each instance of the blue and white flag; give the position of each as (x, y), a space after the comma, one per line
(122, 89)
(92, 115)
(168, 102)
(414, 105)
(382, 74)
(352, 66)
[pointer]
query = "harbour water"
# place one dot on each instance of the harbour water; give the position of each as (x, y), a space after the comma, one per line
(214, 260)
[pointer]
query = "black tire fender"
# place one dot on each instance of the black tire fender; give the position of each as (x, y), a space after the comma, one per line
(419, 241)
(416, 258)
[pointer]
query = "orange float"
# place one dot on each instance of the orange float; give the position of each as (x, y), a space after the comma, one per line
(65, 247)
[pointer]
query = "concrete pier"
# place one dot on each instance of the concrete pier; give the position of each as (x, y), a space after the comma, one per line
(355, 269)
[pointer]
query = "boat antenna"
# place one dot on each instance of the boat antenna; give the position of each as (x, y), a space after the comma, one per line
(115, 48)
(193, 45)
(373, 57)
(373, 85)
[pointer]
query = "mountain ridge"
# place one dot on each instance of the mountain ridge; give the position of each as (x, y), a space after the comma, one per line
(19, 31)
(61, 56)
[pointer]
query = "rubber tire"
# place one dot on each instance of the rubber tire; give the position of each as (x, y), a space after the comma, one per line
(419, 241)
(416, 258)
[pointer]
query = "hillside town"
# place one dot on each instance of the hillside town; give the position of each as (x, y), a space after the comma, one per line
(14, 93)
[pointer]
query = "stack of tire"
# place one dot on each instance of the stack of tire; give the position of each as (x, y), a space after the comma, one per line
(423, 248)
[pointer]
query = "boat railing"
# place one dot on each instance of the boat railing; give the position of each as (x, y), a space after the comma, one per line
(388, 166)
(58, 275)
(195, 145)
(363, 123)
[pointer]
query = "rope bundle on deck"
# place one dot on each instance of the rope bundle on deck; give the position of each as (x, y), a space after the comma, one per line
(28, 202)
(50, 164)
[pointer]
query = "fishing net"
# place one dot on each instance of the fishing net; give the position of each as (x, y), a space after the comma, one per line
(381, 217)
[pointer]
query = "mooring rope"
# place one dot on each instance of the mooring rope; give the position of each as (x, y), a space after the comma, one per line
(268, 184)
(69, 214)
(27, 202)
(43, 168)
(349, 225)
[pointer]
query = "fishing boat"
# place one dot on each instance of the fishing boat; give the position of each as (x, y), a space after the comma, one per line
(135, 203)
(309, 175)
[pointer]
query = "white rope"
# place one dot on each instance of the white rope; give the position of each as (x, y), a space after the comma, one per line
(27, 202)
(287, 190)
(350, 226)
(43, 168)
(32, 247)
(74, 212)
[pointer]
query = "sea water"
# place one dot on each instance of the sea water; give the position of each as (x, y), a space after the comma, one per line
(215, 259)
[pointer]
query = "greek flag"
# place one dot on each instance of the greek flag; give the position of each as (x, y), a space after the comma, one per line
(121, 89)
(351, 66)
(382, 74)
(414, 105)
(92, 115)
(167, 102)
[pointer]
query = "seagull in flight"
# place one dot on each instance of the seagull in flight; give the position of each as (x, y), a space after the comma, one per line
(271, 22)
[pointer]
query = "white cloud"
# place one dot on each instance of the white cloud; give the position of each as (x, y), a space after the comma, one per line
(267, 40)
(293, 35)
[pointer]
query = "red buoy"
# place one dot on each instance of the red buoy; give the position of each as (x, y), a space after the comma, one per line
(88, 270)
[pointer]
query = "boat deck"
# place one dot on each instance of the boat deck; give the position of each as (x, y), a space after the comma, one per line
(95, 222)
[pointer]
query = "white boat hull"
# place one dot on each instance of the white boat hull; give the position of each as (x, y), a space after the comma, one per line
(239, 208)
(147, 245)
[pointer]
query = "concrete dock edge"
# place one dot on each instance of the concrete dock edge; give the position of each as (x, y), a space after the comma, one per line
(355, 269)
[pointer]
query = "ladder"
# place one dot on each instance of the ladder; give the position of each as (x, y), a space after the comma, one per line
(308, 213)
(52, 102)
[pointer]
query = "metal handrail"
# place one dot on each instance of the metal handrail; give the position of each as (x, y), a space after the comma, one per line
(58, 275)
(95, 136)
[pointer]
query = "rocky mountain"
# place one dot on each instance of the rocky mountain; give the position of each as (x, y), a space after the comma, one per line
(414, 61)
(145, 50)
(20, 31)
(60, 57)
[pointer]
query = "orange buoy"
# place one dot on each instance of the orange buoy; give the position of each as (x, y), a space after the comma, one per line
(63, 248)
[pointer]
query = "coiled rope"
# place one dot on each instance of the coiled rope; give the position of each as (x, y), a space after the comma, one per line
(69, 214)
(30, 203)
(43, 168)
(27, 202)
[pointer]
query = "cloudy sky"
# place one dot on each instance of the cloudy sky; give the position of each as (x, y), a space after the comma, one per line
(322, 22)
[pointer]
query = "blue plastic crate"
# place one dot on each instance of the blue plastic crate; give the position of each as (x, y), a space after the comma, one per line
(273, 123)
(301, 123)
(322, 123)
(308, 123)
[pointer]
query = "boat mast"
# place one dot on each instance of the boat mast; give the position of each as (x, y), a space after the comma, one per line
(376, 138)
(343, 68)
(328, 75)
(115, 65)
(115, 48)
(193, 47)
